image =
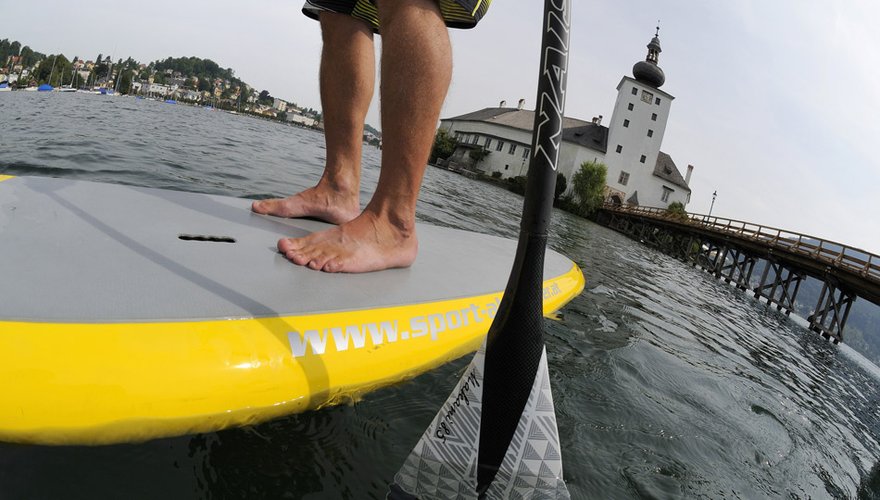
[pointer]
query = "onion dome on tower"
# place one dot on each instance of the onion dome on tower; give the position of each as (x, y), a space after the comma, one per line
(647, 71)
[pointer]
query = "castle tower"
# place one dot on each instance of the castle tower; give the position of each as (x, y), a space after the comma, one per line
(637, 126)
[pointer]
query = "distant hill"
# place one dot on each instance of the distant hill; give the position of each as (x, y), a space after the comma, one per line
(194, 66)
(201, 75)
(372, 130)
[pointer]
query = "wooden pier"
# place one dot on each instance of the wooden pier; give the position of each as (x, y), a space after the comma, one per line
(732, 250)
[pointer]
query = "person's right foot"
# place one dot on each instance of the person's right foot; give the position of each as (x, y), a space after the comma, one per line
(371, 242)
(326, 204)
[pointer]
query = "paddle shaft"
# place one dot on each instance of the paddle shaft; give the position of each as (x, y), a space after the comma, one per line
(548, 124)
(515, 340)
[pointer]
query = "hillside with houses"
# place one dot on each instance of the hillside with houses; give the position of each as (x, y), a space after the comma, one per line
(186, 79)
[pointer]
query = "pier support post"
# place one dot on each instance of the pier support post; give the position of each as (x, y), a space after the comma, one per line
(708, 257)
(831, 311)
(739, 270)
(786, 281)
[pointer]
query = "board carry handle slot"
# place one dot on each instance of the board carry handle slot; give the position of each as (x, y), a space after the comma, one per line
(206, 238)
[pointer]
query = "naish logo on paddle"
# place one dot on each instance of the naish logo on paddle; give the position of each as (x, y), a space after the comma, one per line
(347, 337)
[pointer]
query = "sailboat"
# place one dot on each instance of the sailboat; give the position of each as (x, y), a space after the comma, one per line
(107, 90)
(47, 87)
(69, 88)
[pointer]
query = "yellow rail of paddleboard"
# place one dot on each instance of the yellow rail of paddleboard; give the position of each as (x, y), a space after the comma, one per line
(109, 383)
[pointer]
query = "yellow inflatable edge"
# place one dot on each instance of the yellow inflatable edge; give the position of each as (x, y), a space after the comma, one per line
(104, 383)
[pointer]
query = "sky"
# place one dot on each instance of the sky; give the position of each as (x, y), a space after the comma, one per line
(776, 103)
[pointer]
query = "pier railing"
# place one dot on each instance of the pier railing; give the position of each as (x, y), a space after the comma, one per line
(836, 254)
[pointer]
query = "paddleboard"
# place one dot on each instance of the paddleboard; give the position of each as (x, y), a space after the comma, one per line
(130, 313)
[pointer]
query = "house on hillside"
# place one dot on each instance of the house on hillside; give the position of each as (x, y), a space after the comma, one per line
(156, 89)
(295, 116)
(279, 105)
(497, 141)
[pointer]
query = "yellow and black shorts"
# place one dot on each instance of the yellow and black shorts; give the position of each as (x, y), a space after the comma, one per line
(456, 13)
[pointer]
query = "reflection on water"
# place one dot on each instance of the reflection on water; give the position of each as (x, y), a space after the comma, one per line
(668, 384)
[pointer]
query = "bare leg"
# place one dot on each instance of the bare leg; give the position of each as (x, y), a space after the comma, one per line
(416, 71)
(347, 79)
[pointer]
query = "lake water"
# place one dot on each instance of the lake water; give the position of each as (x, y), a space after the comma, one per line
(667, 383)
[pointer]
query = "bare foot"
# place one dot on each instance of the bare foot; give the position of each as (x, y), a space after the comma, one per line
(324, 203)
(370, 242)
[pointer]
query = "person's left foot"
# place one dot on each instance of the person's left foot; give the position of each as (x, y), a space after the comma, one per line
(370, 242)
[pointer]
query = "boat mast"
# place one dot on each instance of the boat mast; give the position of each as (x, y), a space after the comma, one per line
(52, 71)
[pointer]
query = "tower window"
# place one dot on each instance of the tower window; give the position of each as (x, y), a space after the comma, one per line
(623, 179)
(630, 107)
(626, 123)
(619, 148)
(643, 158)
(650, 133)
(654, 116)
(657, 101)
(635, 91)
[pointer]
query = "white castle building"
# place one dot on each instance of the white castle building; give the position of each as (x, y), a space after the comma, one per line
(639, 173)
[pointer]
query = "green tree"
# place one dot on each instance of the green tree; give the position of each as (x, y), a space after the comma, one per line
(28, 56)
(101, 71)
(125, 78)
(444, 146)
(478, 155)
(561, 186)
(676, 210)
(63, 72)
(588, 184)
(52, 70)
(517, 184)
(5, 51)
(244, 95)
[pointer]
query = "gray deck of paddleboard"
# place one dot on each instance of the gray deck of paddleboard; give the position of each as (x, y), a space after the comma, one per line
(87, 252)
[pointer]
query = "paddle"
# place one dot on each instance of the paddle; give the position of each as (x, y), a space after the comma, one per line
(496, 436)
